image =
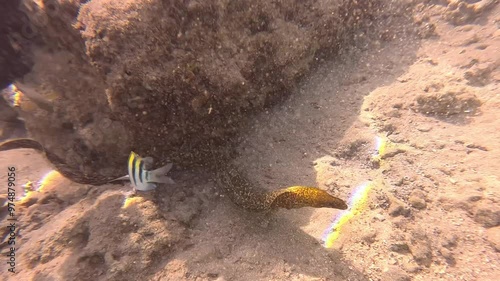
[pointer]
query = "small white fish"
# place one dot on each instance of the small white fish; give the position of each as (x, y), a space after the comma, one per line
(141, 178)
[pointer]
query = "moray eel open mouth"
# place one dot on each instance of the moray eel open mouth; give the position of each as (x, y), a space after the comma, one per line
(237, 187)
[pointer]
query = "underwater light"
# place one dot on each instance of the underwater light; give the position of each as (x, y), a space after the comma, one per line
(356, 202)
(47, 179)
(130, 200)
(380, 146)
(30, 186)
(15, 95)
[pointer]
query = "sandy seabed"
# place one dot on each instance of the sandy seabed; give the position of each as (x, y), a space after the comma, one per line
(432, 212)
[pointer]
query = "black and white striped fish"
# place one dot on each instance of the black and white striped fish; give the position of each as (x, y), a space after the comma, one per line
(141, 178)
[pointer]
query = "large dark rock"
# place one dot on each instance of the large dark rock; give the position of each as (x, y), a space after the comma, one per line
(15, 31)
(164, 78)
(14, 61)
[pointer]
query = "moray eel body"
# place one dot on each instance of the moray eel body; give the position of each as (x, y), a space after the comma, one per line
(65, 170)
(237, 187)
(250, 197)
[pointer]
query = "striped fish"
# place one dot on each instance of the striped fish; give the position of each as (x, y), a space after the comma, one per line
(143, 179)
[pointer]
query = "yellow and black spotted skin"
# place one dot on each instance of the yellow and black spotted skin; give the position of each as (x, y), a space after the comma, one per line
(250, 197)
(238, 188)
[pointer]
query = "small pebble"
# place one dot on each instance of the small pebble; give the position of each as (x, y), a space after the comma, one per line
(400, 247)
(424, 128)
(417, 202)
(399, 210)
(487, 216)
(379, 217)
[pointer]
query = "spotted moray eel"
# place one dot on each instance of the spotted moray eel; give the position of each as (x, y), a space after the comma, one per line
(237, 187)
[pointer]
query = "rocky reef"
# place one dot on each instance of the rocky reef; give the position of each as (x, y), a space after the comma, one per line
(165, 78)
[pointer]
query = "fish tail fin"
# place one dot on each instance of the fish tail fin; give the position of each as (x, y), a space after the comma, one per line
(160, 175)
(163, 170)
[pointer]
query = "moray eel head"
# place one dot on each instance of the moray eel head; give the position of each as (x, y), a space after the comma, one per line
(303, 196)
